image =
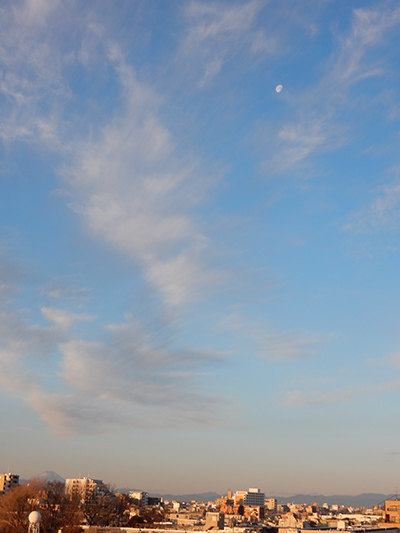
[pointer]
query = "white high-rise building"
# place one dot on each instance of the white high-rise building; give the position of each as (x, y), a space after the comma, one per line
(85, 487)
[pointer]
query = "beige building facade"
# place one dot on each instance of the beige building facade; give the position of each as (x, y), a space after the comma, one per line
(8, 481)
(85, 487)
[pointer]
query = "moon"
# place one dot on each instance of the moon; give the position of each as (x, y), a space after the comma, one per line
(278, 88)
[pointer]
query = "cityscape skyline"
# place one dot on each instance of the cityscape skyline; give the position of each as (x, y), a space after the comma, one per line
(82, 483)
(199, 243)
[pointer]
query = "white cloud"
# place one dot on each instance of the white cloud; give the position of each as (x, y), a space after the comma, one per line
(129, 367)
(332, 397)
(35, 12)
(64, 320)
(72, 413)
(31, 84)
(394, 359)
(272, 345)
(382, 214)
(134, 194)
(369, 28)
(24, 348)
(291, 345)
(133, 375)
(217, 32)
(57, 291)
(24, 339)
(130, 186)
(125, 378)
(314, 127)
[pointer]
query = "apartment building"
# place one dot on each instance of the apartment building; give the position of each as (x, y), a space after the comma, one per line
(85, 487)
(392, 511)
(271, 504)
(8, 481)
(140, 496)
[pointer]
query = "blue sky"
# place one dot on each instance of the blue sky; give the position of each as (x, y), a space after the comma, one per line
(199, 274)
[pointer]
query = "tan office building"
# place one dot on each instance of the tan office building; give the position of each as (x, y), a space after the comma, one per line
(392, 511)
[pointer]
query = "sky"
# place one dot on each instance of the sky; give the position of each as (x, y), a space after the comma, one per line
(199, 274)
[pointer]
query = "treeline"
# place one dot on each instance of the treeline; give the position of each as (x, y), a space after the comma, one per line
(67, 512)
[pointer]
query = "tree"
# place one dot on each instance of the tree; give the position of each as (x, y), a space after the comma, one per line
(52, 506)
(103, 508)
(15, 507)
(58, 510)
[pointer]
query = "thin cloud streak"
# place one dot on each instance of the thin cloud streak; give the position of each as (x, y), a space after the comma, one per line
(271, 345)
(339, 396)
(32, 86)
(64, 320)
(317, 129)
(383, 214)
(218, 32)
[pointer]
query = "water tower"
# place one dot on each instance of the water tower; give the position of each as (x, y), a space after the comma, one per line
(34, 520)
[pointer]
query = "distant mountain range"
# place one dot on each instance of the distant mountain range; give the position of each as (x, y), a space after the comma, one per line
(361, 500)
(203, 497)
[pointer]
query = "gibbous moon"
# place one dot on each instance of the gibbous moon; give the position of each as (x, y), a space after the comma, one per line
(278, 88)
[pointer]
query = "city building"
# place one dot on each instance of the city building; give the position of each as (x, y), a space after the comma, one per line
(214, 521)
(239, 497)
(153, 500)
(140, 496)
(85, 487)
(392, 511)
(270, 504)
(254, 498)
(8, 481)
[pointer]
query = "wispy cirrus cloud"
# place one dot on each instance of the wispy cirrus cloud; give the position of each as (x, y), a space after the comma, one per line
(393, 360)
(272, 345)
(316, 127)
(218, 32)
(126, 379)
(129, 377)
(127, 374)
(64, 320)
(32, 88)
(303, 399)
(133, 192)
(128, 184)
(63, 291)
(382, 214)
